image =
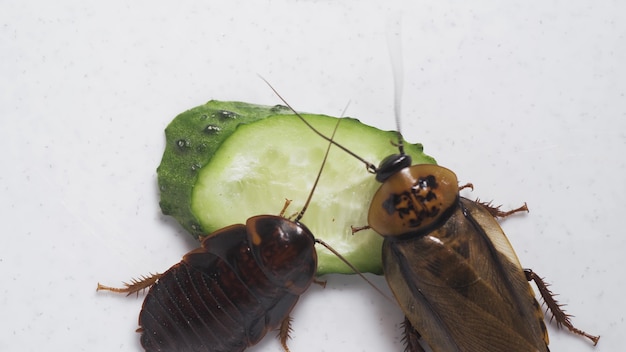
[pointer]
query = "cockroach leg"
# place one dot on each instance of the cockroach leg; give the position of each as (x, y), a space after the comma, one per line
(320, 282)
(467, 185)
(556, 309)
(411, 337)
(282, 212)
(134, 286)
(285, 331)
(356, 229)
(497, 213)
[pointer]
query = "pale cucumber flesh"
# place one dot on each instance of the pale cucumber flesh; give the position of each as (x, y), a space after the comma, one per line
(276, 158)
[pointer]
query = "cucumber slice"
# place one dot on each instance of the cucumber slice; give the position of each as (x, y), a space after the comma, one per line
(265, 162)
(191, 140)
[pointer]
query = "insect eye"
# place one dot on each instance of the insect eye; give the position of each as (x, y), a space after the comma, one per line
(391, 165)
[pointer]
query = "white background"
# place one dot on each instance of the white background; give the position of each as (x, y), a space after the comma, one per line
(526, 100)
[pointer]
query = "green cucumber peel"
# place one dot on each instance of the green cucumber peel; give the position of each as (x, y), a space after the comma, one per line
(191, 140)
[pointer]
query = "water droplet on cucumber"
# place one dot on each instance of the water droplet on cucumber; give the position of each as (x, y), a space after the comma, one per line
(183, 144)
(212, 129)
(224, 115)
(279, 108)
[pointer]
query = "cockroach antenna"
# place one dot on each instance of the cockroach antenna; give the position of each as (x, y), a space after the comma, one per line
(394, 46)
(371, 168)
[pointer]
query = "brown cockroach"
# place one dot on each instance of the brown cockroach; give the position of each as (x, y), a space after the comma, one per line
(242, 282)
(449, 264)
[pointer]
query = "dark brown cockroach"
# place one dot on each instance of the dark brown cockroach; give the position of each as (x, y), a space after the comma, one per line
(449, 264)
(226, 295)
(242, 282)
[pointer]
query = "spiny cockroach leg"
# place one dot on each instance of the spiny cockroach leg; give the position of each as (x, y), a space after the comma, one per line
(411, 337)
(285, 331)
(134, 286)
(497, 213)
(556, 309)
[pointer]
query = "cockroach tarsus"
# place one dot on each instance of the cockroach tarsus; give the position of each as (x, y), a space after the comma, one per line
(136, 285)
(449, 264)
(242, 282)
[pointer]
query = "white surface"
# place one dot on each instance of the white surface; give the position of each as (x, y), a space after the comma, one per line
(525, 100)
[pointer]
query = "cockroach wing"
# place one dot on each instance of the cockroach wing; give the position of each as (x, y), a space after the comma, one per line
(462, 287)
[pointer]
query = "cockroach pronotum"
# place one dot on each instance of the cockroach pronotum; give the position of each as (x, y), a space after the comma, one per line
(242, 282)
(449, 264)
